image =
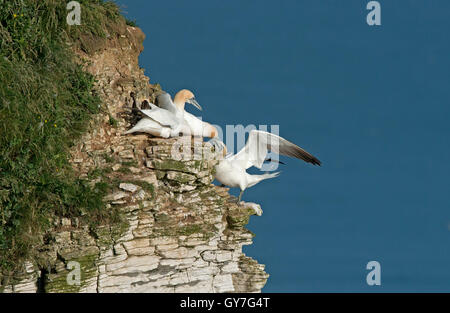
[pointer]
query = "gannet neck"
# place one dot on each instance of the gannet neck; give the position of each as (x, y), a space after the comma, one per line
(179, 104)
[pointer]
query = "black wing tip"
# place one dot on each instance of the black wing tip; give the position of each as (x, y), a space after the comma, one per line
(309, 159)
(313, 160)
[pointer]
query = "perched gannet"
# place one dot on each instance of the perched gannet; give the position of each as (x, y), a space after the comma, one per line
(231, 169)
(197, 126)
(169, 119)
(161, 123)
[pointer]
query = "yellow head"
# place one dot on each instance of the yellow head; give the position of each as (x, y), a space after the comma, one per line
(185, 96)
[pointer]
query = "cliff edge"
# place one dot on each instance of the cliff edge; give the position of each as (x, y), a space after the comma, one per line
(174, 232)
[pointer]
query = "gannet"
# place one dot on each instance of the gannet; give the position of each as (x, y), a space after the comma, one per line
(161, 122)
(169, 119)
(231, 169)
(197, 126)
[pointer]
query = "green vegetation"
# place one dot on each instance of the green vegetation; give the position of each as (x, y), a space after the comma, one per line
(58, 282)
(145, 185)
(112, 121)
(131, 23)
(124, 170)
(46, 101)
(129, 163)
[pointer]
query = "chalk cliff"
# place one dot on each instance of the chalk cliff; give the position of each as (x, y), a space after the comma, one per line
(175, 231)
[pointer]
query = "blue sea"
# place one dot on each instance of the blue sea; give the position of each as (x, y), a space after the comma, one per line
(371, 102)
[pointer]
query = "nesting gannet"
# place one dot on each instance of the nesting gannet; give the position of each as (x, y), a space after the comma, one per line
(161, 122)
(231, 169)
(197, 126)
(169, 119)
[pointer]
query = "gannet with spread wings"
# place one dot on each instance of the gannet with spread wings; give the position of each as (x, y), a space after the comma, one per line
(231, 170)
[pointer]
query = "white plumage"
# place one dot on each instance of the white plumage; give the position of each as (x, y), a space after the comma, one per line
(171, 120)
(231, 170)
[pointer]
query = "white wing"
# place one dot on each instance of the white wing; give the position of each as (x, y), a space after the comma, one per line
(162, 116)
(259, 143)
(147, 125)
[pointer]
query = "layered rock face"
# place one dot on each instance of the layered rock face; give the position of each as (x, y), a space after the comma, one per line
(177, 232)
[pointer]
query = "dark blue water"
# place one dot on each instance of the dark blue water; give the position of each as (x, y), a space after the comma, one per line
(372, 103)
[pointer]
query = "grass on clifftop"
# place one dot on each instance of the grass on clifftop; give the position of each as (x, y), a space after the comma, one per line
(46, 101)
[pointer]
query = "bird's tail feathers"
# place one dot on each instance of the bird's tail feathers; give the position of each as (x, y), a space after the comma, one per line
(271, 175)
(257, 178)
(130, 131)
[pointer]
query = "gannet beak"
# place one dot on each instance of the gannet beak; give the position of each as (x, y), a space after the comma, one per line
(194, 103)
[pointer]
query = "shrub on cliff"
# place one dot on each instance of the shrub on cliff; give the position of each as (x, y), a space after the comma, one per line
(46, 101)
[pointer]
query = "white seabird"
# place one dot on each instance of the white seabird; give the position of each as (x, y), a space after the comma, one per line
(171, 120)
(231, 169)
(197, 126)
